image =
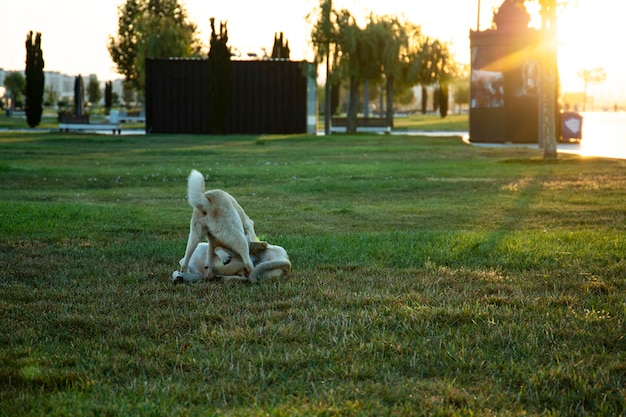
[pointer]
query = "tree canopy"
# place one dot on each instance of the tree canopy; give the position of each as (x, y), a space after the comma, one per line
(150, 29)
(14, 83)
(94, 94)
(387, 48)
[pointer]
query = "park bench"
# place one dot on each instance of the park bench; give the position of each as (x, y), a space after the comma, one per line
(124, 116)
(73, 123)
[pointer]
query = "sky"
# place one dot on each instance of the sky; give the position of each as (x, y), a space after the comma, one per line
(75, 32)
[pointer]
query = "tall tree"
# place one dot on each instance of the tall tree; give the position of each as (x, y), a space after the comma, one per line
(345, 48)
(394, 39)
(108, 97)
(548, 79)
(355, 46)
(79, 95)
(280, 50)
(360, 58)
(220, 74)
(34, 79)
(432, 63)
(123, 46)
(386, 46)
(151, 29)
(324, 39)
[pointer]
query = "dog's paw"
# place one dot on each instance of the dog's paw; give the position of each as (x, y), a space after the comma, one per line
(177, 278)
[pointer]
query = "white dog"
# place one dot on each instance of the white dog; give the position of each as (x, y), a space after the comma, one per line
(218, 217)
(270, 261)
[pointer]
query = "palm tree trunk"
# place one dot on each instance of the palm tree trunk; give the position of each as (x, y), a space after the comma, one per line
(389, 113)
(353, 105)
(547, 82)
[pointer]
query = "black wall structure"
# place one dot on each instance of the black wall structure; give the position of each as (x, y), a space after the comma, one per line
(267, 97)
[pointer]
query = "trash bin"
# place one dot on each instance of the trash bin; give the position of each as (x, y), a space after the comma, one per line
(114, 116)
(571, 126)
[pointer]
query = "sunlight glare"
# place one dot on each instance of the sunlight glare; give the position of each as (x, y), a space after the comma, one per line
(587, 34)
(604, 134)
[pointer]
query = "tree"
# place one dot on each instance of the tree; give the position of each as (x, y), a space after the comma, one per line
(547, 79)
(324, 40)
(280, 50)
(358, 61)
(123, 47)
(591, 76)
(392, 43)
(50, 96)
(93, 90)
(108, 97)
(220, 74)
(34, 79)
(128, 94)
(360, 58)
(79, 95)
(461, 85)
(432, 63)
(14, 82)
(150, 29)
(385, 47)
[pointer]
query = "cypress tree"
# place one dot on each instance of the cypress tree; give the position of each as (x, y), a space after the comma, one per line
(443, 98)
(280, 49)
(79, 95)
(34, 79)
(108, 97)
(220, 74)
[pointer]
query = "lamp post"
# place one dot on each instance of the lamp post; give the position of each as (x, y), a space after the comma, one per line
(327, 83)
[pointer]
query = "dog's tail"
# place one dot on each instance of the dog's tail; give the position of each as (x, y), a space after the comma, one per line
(195, 191)
(270, 269)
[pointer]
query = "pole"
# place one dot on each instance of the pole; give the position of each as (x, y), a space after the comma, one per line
(327, 97)
(478, 18)
(327, 83)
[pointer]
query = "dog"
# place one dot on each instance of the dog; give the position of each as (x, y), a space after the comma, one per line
(270, 261)
(219, 218)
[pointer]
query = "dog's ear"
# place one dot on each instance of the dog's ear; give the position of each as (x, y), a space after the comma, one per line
(256, 247)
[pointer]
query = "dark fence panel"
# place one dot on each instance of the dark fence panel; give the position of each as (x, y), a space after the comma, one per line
(266, 97)
(177, 96)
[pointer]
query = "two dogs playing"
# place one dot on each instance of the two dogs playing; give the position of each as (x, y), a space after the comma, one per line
(233, 251)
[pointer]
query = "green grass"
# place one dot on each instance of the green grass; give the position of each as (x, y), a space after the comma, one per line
(429, 278)
(432, 122)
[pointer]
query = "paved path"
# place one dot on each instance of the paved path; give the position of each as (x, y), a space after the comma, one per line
(604, 135)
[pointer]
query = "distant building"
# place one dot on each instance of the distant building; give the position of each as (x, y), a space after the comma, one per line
(63, 84)
(504, 99)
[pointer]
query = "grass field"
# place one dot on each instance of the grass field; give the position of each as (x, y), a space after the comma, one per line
(429, 278)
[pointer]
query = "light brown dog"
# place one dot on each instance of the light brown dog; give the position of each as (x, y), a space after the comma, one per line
(270, 261)
(219, 218)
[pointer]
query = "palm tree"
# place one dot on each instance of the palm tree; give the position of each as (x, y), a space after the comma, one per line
(591, 76)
